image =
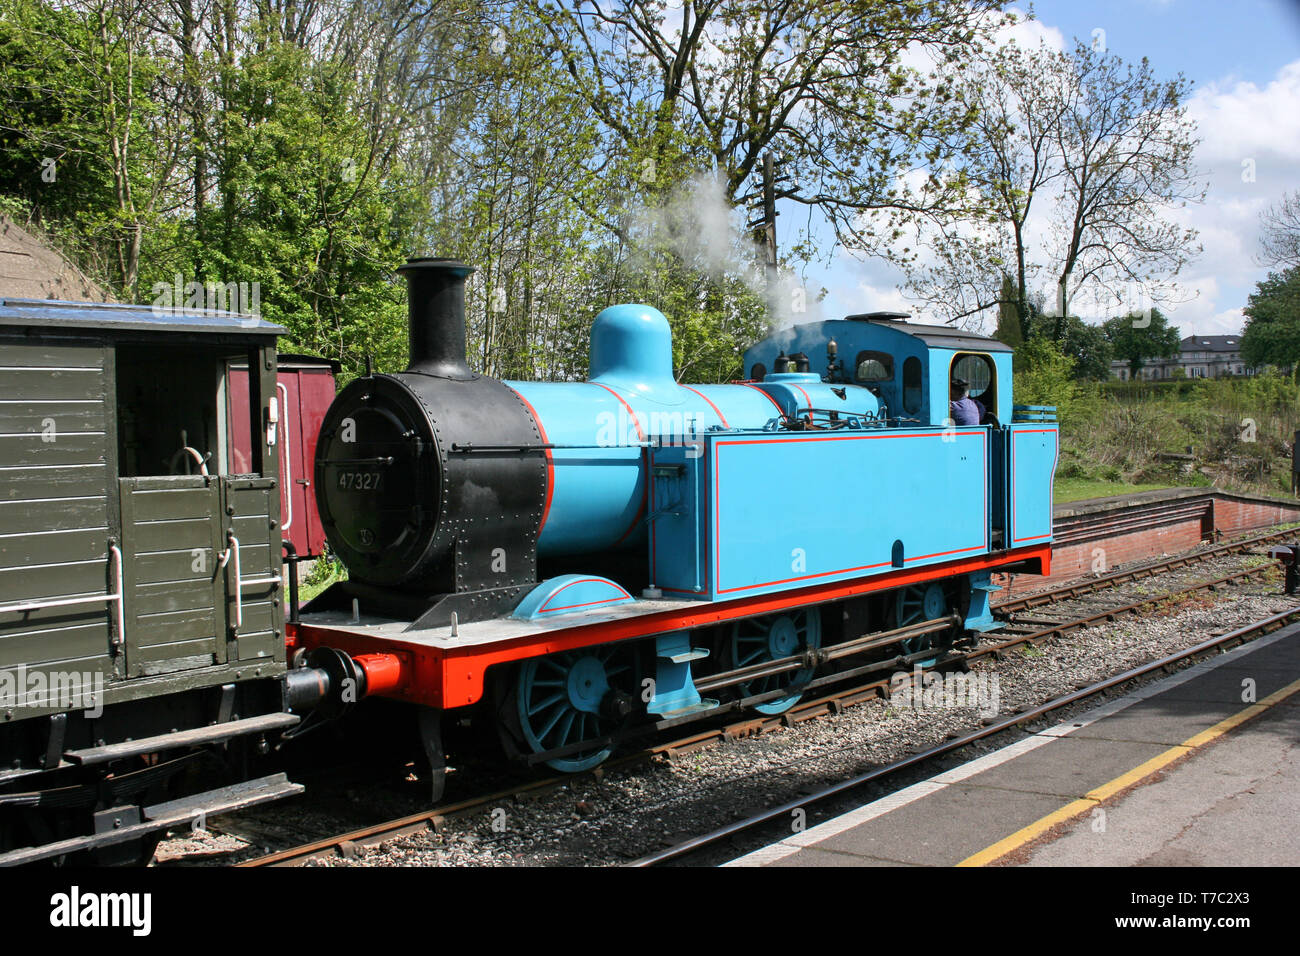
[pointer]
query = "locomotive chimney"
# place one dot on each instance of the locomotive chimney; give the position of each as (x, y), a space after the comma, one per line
(435, 292)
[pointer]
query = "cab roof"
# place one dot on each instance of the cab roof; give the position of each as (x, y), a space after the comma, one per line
(934, 336)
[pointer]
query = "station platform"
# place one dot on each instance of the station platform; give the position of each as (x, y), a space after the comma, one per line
(1198, 769)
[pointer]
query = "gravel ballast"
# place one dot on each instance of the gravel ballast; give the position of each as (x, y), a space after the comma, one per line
(634, 809)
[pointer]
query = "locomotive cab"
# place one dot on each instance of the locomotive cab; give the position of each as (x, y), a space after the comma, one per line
(908, 366)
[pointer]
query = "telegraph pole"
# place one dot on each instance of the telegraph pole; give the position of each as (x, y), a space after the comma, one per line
(765, 226)
(769, 221)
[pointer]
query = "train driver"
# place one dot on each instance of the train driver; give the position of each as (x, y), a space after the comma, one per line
(963, 409)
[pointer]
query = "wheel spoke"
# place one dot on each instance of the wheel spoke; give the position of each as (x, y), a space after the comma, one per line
(539, 707)
(560, 710)
(544, 717)
(754, 640)
(566, 727)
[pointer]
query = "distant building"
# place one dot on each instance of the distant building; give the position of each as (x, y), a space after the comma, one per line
(1200, 356)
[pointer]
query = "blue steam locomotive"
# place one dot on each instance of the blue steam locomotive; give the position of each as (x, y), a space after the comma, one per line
(583, 560)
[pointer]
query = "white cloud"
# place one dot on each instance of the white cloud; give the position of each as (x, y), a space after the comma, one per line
(1030, 34)
(1244, 129)
(1237, 121)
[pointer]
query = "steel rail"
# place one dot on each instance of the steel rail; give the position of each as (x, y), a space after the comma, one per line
(1076, 589)
(751, 726)
(695, 844)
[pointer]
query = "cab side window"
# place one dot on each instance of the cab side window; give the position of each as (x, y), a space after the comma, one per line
(978, 372)
(870, 367)
(912, 385)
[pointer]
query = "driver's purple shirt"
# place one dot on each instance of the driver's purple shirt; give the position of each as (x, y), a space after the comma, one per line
(966, 411)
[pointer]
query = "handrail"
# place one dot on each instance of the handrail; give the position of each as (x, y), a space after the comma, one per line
(286, 456)
(115, 596)
(240, 583)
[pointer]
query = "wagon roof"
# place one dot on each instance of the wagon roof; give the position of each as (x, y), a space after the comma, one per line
(111, 317)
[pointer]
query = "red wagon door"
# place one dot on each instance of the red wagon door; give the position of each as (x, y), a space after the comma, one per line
(304, 389)
(315, 383)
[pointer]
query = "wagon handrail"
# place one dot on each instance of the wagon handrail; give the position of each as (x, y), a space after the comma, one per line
(113, 597)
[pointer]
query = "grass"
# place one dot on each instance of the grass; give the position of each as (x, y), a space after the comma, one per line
(1233, 433)
(1077, 489)
(324, 572)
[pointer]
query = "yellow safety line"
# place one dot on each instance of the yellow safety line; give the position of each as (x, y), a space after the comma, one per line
(1094, 797)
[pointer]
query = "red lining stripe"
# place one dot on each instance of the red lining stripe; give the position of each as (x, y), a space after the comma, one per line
(547, 610)
(1011, 478)
(636, 421)
(645, 494)
(453, 677)
(767, 396)
(636, 519)
(717, 508)
(550, 462)
(722, 418)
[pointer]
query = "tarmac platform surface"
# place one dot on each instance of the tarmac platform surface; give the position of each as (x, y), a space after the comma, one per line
(1198, 769)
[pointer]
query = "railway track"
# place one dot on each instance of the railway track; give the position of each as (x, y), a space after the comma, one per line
(698, 845)
(1076, 589)
(835, 701)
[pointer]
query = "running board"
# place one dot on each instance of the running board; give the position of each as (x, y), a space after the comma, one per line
(166, 816)
(184, 738)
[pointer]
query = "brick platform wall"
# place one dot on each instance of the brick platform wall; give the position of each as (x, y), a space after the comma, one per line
(1101, 540)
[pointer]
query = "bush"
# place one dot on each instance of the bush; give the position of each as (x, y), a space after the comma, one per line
(1239, 430)
(1045, 376)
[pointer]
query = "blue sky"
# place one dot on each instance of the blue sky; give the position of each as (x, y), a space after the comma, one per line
(1243, 57)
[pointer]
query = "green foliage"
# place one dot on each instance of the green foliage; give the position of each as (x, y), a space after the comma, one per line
(309, 150)
(1138, 336)
(325, 570)
(1076, 154)
(1079, 489)
(1090, 348)
(1045, 375)
(1272, 335)
(1086, 344)
(1009, 330)
(85, 131)
(1238, 430)
(827, 87)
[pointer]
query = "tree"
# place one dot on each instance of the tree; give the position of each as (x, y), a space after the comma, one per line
(1087, 345)
(1044, 375)
(1139, 336)
(1126, 146)
(715, 84)
(1107, 141)
(1010, 331)
(1272, 335)
(1014, 158)
(89, 93)
(1280, 232)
